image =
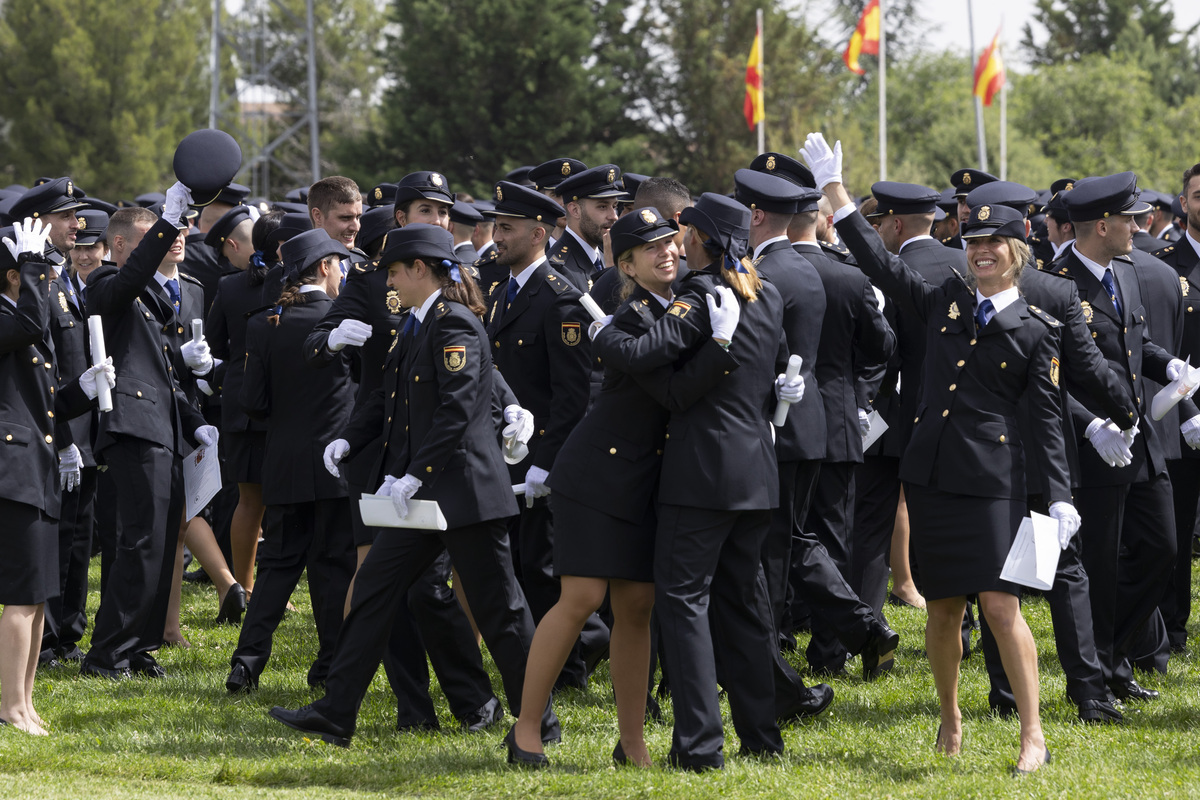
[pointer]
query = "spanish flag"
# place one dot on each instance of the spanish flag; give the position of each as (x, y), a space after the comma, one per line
(989, 72)
(753, 107)
(865, 38)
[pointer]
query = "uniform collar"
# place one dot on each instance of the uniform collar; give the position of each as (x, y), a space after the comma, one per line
(1192, 239)
(1096, 269)
(915, 239)
(764, 245)
(420, 313)
(591, 251)
(1000, 300)
(1059, 249)
(162, 279)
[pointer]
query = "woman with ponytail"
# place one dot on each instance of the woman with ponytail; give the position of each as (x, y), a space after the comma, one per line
(717, 487)
(307, 517)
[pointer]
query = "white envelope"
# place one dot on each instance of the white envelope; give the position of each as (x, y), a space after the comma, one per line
(1033, 558)
(378, 512)
(878, 427)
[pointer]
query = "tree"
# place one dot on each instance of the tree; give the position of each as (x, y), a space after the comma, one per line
(1079, 27)
(100, 91)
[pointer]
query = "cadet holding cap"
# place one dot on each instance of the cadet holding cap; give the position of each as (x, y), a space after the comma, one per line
(590, 200)
(433, 411)
(1128, 547)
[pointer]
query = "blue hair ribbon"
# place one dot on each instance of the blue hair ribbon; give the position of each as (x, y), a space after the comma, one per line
(455, 272)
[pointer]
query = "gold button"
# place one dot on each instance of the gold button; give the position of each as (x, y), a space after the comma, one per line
(1133, 375)
(41, 277)
(541, 433)
(916, 419)
(1094, 334)
(520, 341)
(1189, 309)
(389, 419)
(49, 439)
(393, 394)
(1127, 330)
(315, 351)
(50, 414)
(1128, 352)
(961, 362)
(51, 390)
(972, 343)
(612, 451)
(953, 386)
(8, 438)
(497, 343)
(393, 331)
(946, 413)
(726, 372)
(1003, 365)
(429, 469)
(70, 324)
(1002, 437)
(160, 235)
(943, 329)
(659, 452)
(416, 378)
(180, 330)
(47, 365)
(139, 394)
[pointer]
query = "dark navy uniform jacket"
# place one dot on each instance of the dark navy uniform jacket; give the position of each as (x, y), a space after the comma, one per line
(966, 438)
(1183, 259)
(719, 452)
(69, 331)
(434, 408)
(235, 303)
(305, 409)
(569, 259)
(148, 402)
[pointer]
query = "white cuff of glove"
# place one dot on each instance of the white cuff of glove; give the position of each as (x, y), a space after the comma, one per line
(1093, 426)
(1175, 368)
(335, 451)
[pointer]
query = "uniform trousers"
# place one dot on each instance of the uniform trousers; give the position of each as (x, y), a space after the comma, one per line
(1176, 605)
(104, 527)
(796, 482)
(148, 485)
(480, 553)
(706, 566)
(830, 519)
(1071, 614)
(297, 536)
(1128, 548)
(66, 615)
(877, 480)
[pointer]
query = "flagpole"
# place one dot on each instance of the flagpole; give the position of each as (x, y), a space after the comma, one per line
(983, 165)
(882, 94)
(762, 136)
(1004, 131)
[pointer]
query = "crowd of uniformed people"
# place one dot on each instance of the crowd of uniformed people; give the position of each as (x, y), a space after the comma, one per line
(674, 480)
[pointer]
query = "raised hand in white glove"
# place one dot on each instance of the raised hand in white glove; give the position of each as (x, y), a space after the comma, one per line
(1068, 521)
(350, 332)
(598, 325)
(825, 162)
(1175, 368)
(69, 462)
(87, 381)
(178, 198)
(1191, 432)
(789, 390)
(207, 435)
(335, 451)
(197, 356)
(535, 485)
(1109, 443)
(864, 421)
(724, 317)
(402, 489)
(30, 237)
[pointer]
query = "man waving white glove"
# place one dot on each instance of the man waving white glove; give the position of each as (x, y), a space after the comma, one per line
(824, 162)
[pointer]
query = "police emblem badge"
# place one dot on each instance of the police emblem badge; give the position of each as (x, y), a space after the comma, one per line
(953, 313)
(679, 309)
(649, 218)
(1183, 285)
(1088, 312)
(1054, 371)
(393, 302)
(455, 358)
(62, 301)
(570, 333)
(985, 213)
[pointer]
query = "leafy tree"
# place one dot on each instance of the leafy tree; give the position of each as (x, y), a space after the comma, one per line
(100, 91)
(1080, 27)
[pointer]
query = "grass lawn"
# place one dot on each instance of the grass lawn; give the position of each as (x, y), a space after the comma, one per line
(184, 736)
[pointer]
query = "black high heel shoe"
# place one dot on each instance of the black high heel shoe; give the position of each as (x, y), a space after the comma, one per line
(521, 757)
(619, 755)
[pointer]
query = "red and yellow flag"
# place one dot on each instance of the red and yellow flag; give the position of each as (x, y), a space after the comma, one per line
(753, 107)
(865, 38)
(989, 72)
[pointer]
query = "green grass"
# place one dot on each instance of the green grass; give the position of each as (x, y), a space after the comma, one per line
(185, 737)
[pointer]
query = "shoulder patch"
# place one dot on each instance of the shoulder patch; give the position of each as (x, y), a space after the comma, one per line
(571, 333)
(454, 358)
(679, 309)
(1044, 317)
(441, 309)
(1054, 372)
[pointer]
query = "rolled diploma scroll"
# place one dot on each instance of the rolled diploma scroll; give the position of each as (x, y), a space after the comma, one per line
(96, 334)
(197, 330)
(793, 369)
(587, 302)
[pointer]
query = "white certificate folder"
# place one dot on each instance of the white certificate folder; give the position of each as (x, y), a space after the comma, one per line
(379, 512)
(1033, 558)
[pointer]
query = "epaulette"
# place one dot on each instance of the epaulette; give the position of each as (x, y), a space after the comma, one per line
(491, 256)
(559, 257)
(1126, 259)
(470, 270)
(838, 249)
(947, 240)
(1044, 317)
(190, 279)
(1162, 251)
(642, 307)
(441, 309)
(359, 269)
(559, 285)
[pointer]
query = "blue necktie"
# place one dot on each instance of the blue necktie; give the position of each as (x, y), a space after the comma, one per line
(412, 325)
(985, 312)
(599, 264)
(1111, 287)
(513, 288)
(173, 291)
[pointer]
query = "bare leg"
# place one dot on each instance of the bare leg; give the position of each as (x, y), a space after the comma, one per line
(629, 663)
(35, 631)
(17, 647)
(199, 538)
(552, 643)
(363, 549)
(943, 643)
(244, 530)
(902, 579)
(1018, 654)
(466, 607)
(172, 635)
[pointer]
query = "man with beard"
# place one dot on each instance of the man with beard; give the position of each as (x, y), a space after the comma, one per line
(590, 199)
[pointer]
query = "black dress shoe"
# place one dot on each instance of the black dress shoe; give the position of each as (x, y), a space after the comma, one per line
(619, 755)
(149, 670)
(1017, 772)
(233, 606)
(521, 757)
(72, 655)
(1099, 712)
(308, 720)
(489, 714)
(878, 654)
(50, 663)
(692, 765)
(817, 699)
(87, 670)
(423, 726)
(240, 680)
(1130, 690)
(1003, 710)
(197, 575)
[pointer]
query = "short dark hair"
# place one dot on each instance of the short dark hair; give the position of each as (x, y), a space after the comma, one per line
(332, 191)
(124, 220)
(1188, 174)
(668, 195)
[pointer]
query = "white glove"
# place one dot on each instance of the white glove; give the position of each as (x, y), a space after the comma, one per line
(402, 489)
(1191, 432)
(385, 489)
(30, 237)
(69, 462)
(205, 387)
(87, 381)
(1109, 442)
(207, 435)
(598, 325)
(179, 197)
(1068, 522)
(1175, 368)
(517, 433)
(826, 164)
(864, 421)
(535, 485)
(349, 332)
(1130, 435)
(724, 317)
(790, 390)
(197, 356)
(335, 451)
